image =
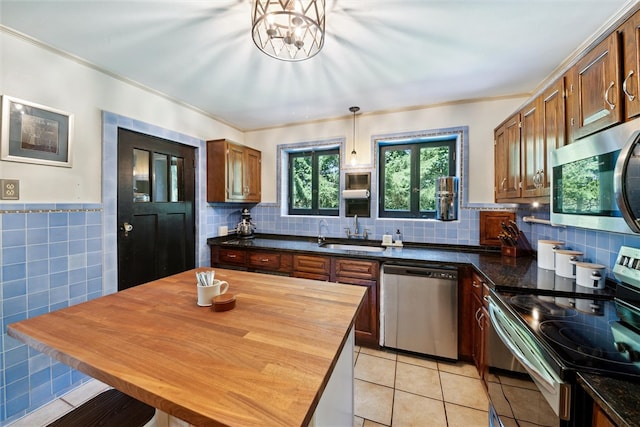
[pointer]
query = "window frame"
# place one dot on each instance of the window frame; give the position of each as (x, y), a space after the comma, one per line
(414, 145)
(315, 178)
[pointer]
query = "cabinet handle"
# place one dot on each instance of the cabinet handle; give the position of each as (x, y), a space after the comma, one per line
(624, 86)
(475, 284)
(502, 184)
(231, 256)
(606, 96)
(481, 324)
(478, 315)
(265, 260)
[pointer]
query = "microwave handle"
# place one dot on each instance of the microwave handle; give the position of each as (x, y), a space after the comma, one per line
(619, 173)
(544, 380)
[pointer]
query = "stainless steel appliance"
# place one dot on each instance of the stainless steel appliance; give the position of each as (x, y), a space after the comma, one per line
(595, 181)
(245, 227)
(447, 198)
(559, 330)
(420, 309)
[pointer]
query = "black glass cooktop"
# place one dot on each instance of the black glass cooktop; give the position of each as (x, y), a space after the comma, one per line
(584, 333)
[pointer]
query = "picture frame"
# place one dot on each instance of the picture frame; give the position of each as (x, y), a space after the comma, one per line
(33, 133)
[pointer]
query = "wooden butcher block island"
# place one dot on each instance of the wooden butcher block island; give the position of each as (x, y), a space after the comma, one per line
(272, 360)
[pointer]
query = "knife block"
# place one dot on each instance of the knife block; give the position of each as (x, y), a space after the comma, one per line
(523, 248)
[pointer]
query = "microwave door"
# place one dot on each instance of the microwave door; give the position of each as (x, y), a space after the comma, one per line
(627, 182)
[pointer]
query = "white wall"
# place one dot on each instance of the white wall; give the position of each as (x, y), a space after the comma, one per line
(481, 117)
(35, 73)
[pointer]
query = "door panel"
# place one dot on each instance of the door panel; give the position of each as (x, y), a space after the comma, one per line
(156, 187)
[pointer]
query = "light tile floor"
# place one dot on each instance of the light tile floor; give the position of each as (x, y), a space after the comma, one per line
(391, 389)
(394, 389)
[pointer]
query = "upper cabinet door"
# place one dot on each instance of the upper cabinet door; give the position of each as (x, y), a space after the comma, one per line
(594, 89)
(532, 149)
(233, 172)
(630, 32)
(552, 114)
(507, 159)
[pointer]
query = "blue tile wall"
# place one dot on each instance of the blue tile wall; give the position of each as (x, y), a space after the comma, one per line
(600, 247)
(51, 258)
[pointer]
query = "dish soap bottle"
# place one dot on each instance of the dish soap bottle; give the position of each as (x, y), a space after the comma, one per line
(398, 241)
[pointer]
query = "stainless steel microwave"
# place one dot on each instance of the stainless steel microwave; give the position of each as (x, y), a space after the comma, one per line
(596, 181)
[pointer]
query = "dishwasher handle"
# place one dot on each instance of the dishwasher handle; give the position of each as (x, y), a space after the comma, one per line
(436, 273)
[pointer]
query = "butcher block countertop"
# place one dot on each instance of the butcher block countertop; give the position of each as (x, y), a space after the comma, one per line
(266, 362)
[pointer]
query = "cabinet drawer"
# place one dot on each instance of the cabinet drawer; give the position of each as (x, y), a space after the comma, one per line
(311, 264)
(358, 269)
(266, 260)
(231, 256)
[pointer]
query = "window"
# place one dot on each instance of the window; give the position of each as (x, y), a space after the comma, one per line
(408, 173)
(314, 182)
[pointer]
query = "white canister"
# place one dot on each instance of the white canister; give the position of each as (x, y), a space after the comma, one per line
(547, 254)
(590, 275)
(566, 262)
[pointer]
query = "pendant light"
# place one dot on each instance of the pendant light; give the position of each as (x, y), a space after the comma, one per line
(354, 155)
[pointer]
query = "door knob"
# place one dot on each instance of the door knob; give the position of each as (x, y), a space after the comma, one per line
(127, 228)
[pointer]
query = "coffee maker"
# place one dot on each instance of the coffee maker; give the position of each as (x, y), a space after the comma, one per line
(245, 227)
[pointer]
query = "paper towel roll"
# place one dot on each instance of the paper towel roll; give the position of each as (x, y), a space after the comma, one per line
(355, 194)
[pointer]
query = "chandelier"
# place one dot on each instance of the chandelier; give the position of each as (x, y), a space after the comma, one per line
(290, 30)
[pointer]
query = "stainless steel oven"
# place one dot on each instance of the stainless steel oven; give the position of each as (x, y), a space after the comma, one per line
(558, 330)
(537, 396)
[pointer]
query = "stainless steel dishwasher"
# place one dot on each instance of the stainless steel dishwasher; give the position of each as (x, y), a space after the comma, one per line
(420, 309)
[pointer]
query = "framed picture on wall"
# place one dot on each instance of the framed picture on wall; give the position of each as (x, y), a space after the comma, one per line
(33, 133)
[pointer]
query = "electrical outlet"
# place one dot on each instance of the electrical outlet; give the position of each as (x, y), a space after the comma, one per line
(10, 189)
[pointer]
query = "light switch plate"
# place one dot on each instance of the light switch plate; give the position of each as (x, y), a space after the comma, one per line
(10, 189)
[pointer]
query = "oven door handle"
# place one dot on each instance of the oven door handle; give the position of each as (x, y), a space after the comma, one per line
(547, 378)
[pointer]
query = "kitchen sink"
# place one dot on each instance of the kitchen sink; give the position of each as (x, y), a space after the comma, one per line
(359, 248)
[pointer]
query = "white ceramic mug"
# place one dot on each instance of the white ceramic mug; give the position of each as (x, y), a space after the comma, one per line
(590, 275)
(206, 293)
(547, 254)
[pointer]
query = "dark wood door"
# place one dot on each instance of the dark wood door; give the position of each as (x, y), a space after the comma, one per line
(156, 187)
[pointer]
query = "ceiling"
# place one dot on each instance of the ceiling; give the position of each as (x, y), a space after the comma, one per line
(381, 55)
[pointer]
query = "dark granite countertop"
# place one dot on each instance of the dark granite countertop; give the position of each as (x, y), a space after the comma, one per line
(503, 273)
(617, 398)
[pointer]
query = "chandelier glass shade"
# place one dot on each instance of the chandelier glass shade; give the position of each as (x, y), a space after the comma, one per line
(290, 30)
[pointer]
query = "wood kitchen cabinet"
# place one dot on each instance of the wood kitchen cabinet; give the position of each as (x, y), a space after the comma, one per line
(523, 146)
(600, 418)
(507, 159)
(532, 152)
(554, 134)
(491, 226)
(317, 267)
(233, 172)
(312, 267)
(362, 273)
(269, 261)
(593, 90)
(630, 34)
(473, 318)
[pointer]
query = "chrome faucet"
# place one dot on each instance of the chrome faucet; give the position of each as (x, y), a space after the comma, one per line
(356, 231)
